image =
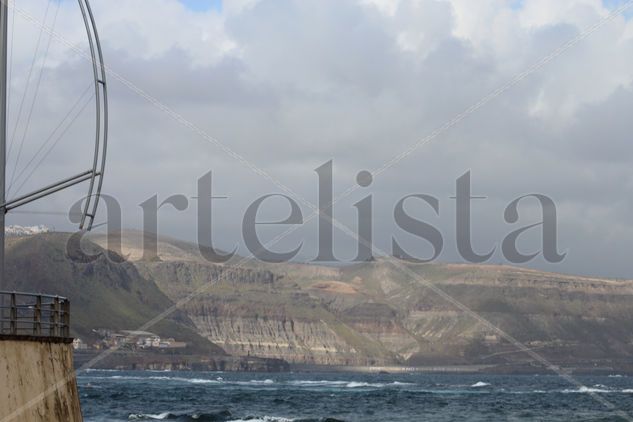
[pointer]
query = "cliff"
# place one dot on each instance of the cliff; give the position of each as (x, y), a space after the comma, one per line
(367, 314)
(375, 314)
(105, 293)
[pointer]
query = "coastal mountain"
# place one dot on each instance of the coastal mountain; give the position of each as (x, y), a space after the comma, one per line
(106, 293)
(369, 314)
(373, 313)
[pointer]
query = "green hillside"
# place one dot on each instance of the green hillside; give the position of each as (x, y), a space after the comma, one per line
(103, 293)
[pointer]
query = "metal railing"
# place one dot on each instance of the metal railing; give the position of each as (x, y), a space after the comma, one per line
(29, 314)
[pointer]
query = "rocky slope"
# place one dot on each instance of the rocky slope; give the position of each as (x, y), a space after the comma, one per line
(105, 293)
(256, 313)
(376, 314)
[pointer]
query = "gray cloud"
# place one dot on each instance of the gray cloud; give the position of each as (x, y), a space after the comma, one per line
(290, 84)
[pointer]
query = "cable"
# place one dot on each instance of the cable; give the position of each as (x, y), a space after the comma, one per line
(55, 143)
(37, 89)
(33, 212)
(48, 139)
(28, 81)
(10, 78)
(54, 131)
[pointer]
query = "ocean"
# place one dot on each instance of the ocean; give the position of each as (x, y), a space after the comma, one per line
(280, 397)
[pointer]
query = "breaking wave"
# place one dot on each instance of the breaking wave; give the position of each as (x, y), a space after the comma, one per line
(222, 416)
(584, 389)
(264, 382)
(479, 384)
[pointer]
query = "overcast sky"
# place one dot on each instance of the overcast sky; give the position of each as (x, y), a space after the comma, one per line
(279, 87)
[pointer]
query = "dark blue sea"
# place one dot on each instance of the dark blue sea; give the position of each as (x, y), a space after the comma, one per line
(217, 396)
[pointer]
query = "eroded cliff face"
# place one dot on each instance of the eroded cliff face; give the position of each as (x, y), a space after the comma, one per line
(383, 324)
(276, 324)
(375, 314)
(250, 312)
(293, 340)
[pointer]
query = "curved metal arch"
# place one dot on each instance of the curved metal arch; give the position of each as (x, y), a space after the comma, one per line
(95, 174)
(101, 102)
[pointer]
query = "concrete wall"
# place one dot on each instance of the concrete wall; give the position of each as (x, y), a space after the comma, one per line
(37, 382)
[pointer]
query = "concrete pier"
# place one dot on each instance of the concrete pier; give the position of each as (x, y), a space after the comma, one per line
(37, 380)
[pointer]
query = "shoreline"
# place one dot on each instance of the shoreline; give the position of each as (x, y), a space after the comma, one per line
(468, 369)
(197, 363)
(394, 369)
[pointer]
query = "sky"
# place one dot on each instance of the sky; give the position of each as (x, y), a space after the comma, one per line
(263, 92)
(203, 5)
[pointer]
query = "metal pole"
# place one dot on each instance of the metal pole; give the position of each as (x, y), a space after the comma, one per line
(37, 316)
(14, 314)
(3, 126)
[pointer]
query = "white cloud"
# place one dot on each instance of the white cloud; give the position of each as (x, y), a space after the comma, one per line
(290, 84)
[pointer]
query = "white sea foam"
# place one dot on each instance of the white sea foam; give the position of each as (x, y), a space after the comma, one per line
(181, 379)
(140, 416)
(479, 384)
(222, 381)
(258, 382)
(263, 419)
(161, 378)
(199, 380)
(584, 389)
(318, 383)
(346, 384)
(355, 384)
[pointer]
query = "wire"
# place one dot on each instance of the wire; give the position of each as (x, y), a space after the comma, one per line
(28, 81)
(10, 78)
(37, 89)
(55, 143)
(94, 226)
(48, 139)
(29, 212)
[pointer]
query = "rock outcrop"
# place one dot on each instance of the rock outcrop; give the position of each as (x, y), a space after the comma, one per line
(376, 314)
